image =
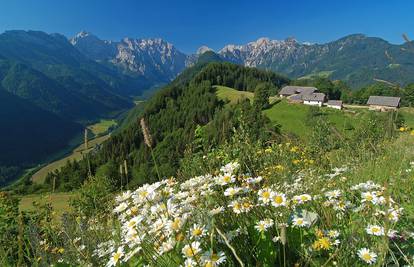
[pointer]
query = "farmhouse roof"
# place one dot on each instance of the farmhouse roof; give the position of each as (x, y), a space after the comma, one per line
(387, 101)
(334, 103)
(314, 97)
(291, 90)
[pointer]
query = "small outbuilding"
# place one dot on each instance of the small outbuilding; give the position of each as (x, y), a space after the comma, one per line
(336, 104)
(383, 103)
(314, 99)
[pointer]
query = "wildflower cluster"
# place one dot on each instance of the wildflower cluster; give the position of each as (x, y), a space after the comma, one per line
(183, 223)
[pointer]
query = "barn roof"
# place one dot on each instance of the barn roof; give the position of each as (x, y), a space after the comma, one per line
(334, 103)
(291, 90)
(314, 97)
(387, 101)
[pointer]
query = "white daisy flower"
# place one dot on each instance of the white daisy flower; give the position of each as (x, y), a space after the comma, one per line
(124, 197)
(116, 257)
(367, 255)
(300, 199)
(211, 259)
(230, 167)
(333, 194)
(198, 231)
(265, 195)
(254, 180)
(263, 225)
(278, 199)
(368, 197)
(190, 263)
(191, 250)
(232, 191)
(375, 230)
(121, 207)
(225, 179)
(299, 222)
(237, 207)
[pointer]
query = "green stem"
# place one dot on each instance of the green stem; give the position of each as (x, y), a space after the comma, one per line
(155, 164)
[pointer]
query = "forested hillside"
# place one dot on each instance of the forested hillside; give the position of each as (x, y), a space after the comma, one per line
(49, 72)
(173, 115)
(29, 134)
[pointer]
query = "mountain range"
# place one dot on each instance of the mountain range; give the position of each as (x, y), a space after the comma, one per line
(51, 86)
(355, 59)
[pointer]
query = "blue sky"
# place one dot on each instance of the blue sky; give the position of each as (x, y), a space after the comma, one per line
(188, 24)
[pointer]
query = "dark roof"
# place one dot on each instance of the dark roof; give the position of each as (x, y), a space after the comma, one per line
(334, 103)
(314, 97)
(291, 90)
(387, 101)
(296, 97)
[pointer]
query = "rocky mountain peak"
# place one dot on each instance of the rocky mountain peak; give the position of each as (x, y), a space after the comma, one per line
(202, 49)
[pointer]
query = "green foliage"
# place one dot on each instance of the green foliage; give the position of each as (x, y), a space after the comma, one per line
(9, 213)
(261, 96)
(408, 95)
(234, 76)
(380, 89)
(94, 196)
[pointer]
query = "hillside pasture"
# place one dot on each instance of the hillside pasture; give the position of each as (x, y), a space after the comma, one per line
(59, 202)
(102, 126)
(291, 116)
(76, 154)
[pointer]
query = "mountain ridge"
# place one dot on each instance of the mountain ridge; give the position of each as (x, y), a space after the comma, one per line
(356, 58)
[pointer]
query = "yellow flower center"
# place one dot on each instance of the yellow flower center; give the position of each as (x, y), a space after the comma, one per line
(366, 257)
(143, 194)
(197, 232)
(375, 229)
(175, 224)
(189, 252)
(278, 199)
(226, 179)
(266, 194)
(116, 257)
(179, 237)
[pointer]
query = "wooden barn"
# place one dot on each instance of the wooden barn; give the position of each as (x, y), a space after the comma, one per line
(383, 103)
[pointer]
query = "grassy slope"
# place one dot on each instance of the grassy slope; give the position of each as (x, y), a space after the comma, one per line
(231, 94)
(292, 117)
(102, 126)
(408, 114)
(76, 154)
(59, 202)
(98, 130)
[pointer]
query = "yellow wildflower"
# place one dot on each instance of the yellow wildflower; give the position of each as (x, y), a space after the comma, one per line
(322, 243)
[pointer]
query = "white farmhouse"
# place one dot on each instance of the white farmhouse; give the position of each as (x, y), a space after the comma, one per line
(314, 99)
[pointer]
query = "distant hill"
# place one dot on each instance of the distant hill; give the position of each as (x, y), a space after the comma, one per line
(49, 72)
(29, 134)
(356, 59)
